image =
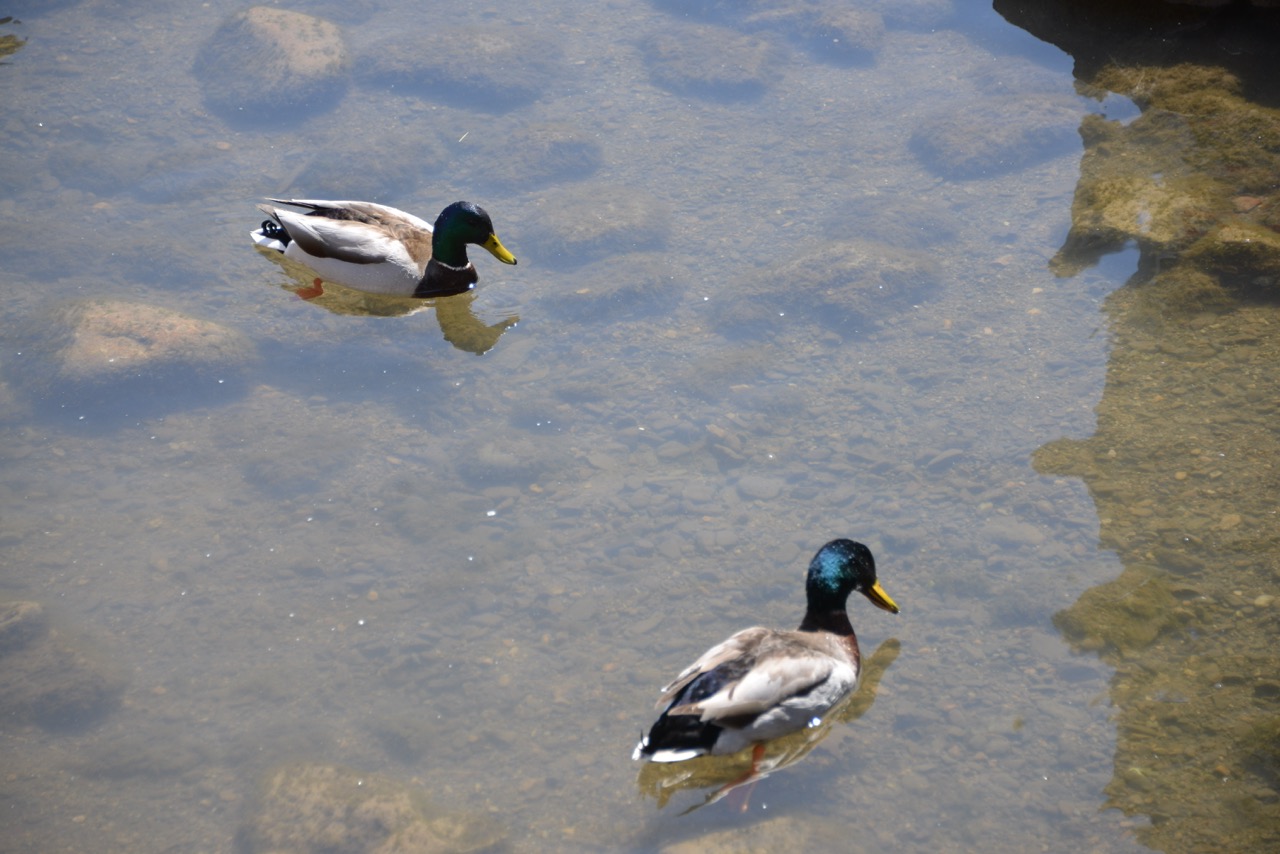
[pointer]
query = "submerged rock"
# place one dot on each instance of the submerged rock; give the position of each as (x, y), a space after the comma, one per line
(784, 833)
(895, 220)
(846, 35)
(996, 134)
(20, 623)
(274, 65)
(314, 808)
(110, 358)
(112, 340)
(619, 286)
(97, 159)
(844, 285)
(1239, 36)
(616, 220)
(842, 33)
(489, 68)
(1240, 249)
(9, 43)
(46, 677)
(1123, 616)
(535, 154)
(517, 461)
(1191, 180)
(710, 62)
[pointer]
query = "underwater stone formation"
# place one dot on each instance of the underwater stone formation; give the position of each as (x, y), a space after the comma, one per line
(1193, 180)
(48, 678)
(273, 65)
(313, 808)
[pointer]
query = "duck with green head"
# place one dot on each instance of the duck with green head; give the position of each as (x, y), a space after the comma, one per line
(380, 249)
(763, 683)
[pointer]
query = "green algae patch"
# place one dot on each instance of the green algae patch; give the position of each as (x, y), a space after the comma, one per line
(1134, 185)
(1239, 250)
(1182, 466)
(1192, 180)
(1259, 742)
(1234, 140)
(9, 43)
(1184, 290)
(1122, 616)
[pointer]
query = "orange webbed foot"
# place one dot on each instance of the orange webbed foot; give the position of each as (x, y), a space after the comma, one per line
(312, 292)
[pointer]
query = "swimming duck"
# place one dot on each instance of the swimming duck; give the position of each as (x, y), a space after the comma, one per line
(764, 683)
(380, 249)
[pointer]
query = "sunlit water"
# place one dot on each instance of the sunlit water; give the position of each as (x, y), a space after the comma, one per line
(371, 548)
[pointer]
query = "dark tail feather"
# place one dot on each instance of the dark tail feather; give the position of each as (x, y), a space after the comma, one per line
(680, 732)
(273, 230)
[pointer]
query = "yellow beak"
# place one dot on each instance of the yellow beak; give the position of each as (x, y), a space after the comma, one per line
(494, 245)
(881, 599)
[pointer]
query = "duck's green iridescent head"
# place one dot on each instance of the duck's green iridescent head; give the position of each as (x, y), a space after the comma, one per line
(462, 223)
(839, 568)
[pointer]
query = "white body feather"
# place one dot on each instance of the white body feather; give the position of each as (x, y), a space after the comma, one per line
(794, 678)
(388, 264)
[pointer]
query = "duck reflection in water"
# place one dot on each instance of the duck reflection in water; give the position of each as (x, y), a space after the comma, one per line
(458, 321)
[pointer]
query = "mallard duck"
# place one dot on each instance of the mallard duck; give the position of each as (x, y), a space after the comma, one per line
(763, 683)
(380, 249)
(662, 781)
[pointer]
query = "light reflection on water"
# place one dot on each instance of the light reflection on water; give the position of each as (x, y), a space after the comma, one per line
(475, 572)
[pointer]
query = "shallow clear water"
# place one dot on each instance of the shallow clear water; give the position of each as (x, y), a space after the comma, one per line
(368, 547)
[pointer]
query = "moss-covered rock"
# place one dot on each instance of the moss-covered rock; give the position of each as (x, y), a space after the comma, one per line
(1122, 616)
(1192, 180)
(1183, 291)
(10, 43)
(1241, 252)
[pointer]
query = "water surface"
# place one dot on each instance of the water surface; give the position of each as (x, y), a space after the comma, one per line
(367, 547)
